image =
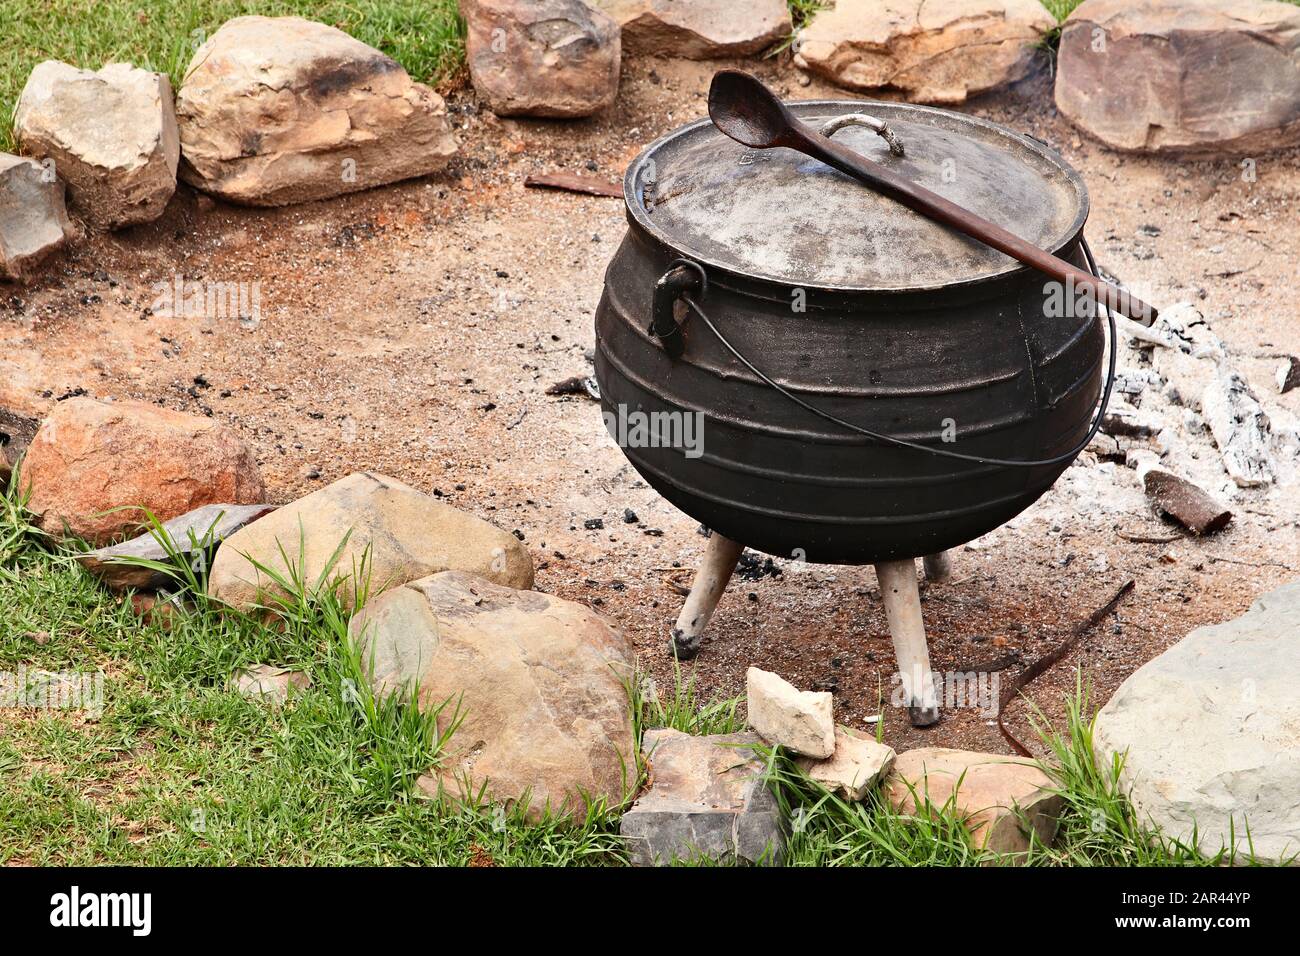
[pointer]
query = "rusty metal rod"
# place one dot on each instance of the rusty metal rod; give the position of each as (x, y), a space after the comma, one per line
(747, 111)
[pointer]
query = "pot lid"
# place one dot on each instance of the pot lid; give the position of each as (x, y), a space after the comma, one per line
(778, 215)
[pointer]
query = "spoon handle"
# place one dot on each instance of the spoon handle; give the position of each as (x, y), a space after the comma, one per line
(934, 206)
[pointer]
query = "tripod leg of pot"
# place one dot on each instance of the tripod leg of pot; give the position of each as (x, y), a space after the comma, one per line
(938, 567)
(711, 579)
(901, 594)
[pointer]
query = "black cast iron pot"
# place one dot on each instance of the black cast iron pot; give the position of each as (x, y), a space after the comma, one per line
(860, 308)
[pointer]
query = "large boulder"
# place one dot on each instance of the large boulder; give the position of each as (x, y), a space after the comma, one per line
(552, 58)
(1003, 801)
(1182, 76)
(111, 134)
(277, 110)
(94, 465)
(930, 52)
(1210, 733)
(397, 534)
(700, 29)
(33, 219)
(539, 685)
(707, 801)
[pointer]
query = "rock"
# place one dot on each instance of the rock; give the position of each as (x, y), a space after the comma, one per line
(1210, 731)
(111, 134)
(16, 433)
(401, 534)
(1182, 76)
(269, 684)
(539, 684)
(707, 800)
(205, 526)
(700, 29)
(89, 458)
(858, 765)
(997, 796)
(1240, 427)
(1287, 375)
(930, 52)
(278, 110)
(783, 716)
(33, 220)
(556, 58)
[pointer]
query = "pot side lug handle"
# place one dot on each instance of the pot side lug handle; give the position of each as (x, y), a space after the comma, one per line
(683, 277)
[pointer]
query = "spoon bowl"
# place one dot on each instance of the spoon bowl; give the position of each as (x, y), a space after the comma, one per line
(748, 112)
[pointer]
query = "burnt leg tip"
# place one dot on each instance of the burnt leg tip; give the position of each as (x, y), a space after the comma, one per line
(923, 716)
(682, 647)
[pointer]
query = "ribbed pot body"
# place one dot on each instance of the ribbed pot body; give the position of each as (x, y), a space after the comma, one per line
(988, 368)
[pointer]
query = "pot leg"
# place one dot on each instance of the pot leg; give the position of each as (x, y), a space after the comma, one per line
(711, 579)
(901, 594)
(938, 567)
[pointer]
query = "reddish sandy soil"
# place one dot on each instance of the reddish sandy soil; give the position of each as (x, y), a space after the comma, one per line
(414, 329)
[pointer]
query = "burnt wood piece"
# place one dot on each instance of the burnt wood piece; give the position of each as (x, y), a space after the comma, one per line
(1185, 502)
(575, 183)
(16, 433)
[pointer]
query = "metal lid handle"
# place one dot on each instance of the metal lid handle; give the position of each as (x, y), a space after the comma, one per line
(878, 126)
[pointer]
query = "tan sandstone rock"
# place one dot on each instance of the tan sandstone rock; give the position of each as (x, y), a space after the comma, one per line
(33, 219)
(784, 716)
(1182, 76)
(1001, 799)
(539, 684)
(930, 52)
(89, 458)
(401, 534)
(858, 764)
(277, 110)
(111, 134)
(700, 29)
(551, 58)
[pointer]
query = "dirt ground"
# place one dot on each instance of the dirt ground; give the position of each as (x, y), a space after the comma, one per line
(414, 329)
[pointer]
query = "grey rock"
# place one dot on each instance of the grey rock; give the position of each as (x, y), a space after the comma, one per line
(1210, 732)
(33, 219)
(209, 525)
(111, 135)
(707, 800)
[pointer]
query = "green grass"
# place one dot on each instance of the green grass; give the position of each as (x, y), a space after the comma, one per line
(425, 36)
(178, 770)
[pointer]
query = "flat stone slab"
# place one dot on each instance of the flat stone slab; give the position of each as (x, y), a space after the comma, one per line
(1200, 77)
(700, 29)
(706, 800)
(208, 526)
(857, 766)
(1210, 732)
(269, 684)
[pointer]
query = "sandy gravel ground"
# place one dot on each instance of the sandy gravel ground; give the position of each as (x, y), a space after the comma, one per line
(414, 329)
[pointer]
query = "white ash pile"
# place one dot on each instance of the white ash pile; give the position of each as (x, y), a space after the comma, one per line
(1181, 408)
